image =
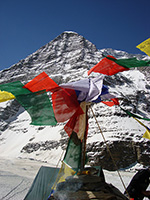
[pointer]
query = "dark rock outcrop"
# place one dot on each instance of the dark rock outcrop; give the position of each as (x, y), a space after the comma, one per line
(124, 153)
(86, 187)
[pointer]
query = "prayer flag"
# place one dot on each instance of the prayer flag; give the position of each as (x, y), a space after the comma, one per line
(145, 46)
(65, 104)
(114, 101)
(41, 82)
(77, 123)
(73, 152)
(39, 107)
(110, 65)
(147, 133)
(131, 62)
(63, 173)
(107, 67)
(88, 89)
(16, 88)
(5, 96)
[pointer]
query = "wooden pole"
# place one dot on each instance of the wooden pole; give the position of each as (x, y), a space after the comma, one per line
(83, 150)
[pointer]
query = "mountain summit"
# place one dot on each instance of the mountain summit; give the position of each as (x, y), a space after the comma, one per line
(68, 58)
(66, 53)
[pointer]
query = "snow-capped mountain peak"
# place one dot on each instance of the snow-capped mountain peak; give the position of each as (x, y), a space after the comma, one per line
(65, 59)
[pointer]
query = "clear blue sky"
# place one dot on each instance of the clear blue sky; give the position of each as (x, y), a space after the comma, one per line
(26, 25)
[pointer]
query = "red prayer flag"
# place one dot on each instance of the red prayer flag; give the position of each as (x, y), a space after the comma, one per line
(111, 103)
(78, 123)
(107, 67)
(41, 82)
(73, 123)
(65, 104)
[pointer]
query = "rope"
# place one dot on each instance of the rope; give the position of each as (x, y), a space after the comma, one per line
(110, 153)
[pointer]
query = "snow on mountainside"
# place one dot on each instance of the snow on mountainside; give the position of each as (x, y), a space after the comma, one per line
(68, 58)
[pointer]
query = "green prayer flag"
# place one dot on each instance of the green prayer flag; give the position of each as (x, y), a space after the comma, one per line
(73, 152)
(130, 62)
(39, 107)
(37, 104)
(133, 62)
(16, 88)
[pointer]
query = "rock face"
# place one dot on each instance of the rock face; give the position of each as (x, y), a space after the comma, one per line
(119, 149)
(68, 58)
(87, 187)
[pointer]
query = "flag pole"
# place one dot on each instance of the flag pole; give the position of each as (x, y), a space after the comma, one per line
(83, 147)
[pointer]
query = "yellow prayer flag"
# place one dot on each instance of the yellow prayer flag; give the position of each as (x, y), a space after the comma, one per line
(64, 172)
(5, 96)
(145, 46)
(147, 133)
